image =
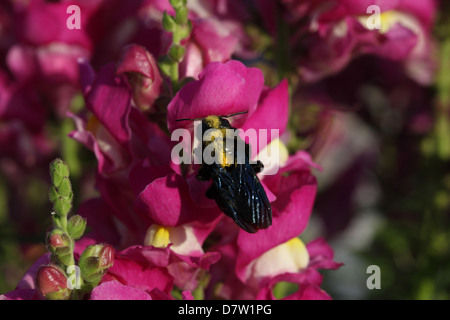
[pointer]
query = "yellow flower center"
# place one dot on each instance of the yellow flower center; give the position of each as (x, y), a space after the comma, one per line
(157, 236)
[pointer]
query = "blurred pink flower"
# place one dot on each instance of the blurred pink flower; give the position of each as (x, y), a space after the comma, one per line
(143, 75)
(335, 32)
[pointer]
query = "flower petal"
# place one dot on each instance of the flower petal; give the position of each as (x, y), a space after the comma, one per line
(113, 290)
(222, 89)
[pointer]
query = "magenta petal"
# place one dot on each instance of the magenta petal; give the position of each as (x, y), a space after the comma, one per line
(222, 89)
(301, 160)
(110, 101)
(309, 281)
(25, 294)
(216, 47)
(396, 44)
(99, 218)
(139, 275)
(143, 75)
(182, 268)
(166, 201)
(113, 290)
(271, 114)
(45, 23)
(291, 214)
(143, 173)
(321, 255)
(29, 279)
(424, 10)
(187, 295)
(87, 75)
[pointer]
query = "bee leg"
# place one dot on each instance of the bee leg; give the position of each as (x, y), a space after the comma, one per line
(257, 167)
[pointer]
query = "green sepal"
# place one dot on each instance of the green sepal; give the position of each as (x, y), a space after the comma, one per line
(76, 227)
(168, 22)
(181, 15)
(177, 52)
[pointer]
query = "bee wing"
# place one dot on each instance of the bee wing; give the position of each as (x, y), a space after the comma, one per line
(241, 196)
(258, 210)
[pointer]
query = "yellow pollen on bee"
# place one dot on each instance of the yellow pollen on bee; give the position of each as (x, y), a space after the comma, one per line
(213, 121)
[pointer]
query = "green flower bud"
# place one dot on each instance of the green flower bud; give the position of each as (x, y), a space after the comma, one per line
(61, 246)
(53, 194)
(95, 261)
(62, 205)
(76, 227)
(176, 52)
(65, 188)
(60, 193)
(58, 170)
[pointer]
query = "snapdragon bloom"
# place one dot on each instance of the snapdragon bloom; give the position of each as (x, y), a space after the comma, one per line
(327, 35)
(163, 206)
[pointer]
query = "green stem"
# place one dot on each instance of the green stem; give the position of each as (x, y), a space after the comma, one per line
(442, 109)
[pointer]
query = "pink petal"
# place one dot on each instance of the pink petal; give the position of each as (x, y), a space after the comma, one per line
(143, 75)
(100, 220)
(291, 213)
(22, 294)
(113, 290)
(141, 276)
(29, 279)
(166, 201)
(222, 89)
(109, 99)
(187, 295)
(271, 114)
(321, 255)
(215, 45)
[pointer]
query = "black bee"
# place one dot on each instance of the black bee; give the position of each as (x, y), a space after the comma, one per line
(235, 188)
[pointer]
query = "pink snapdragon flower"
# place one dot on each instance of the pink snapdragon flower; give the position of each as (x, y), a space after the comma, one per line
(335, 32)
(229, 88)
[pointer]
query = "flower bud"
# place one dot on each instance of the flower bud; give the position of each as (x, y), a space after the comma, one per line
(62, 205)
(58, 170)
(95, 261)
(76, 227)
(60, 245)
(142, 73)
(51, 281)
(60, 193)
(58, 239)
(177, 52)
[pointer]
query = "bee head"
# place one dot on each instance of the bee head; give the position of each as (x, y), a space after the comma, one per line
(215, 122)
